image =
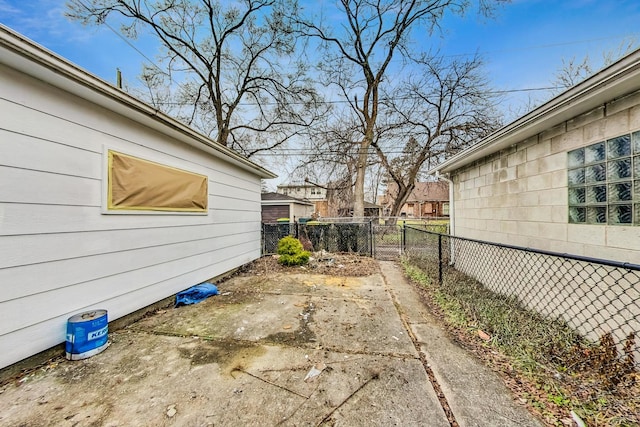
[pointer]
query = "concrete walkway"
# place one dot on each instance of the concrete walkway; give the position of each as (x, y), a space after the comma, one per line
(474, 393)
(290, 350)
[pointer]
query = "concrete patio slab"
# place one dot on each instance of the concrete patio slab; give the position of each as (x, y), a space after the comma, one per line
(285, 349)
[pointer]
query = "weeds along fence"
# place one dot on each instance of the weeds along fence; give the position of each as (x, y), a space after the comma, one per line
(375, 237)
(596, 298)
(330, 237)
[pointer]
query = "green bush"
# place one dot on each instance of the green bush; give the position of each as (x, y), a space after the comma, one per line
(291, 252)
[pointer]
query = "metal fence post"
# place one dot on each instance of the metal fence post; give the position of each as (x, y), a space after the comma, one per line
(439, 259)
(371, 238)
(404, 238)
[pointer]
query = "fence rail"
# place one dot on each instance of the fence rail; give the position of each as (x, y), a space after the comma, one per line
(595, 297)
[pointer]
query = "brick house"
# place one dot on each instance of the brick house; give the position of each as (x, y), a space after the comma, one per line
(428, 199)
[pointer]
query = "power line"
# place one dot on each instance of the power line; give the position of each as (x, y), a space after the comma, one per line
(310, 152)
(344, 101)
(130, 44)
(542, 46)
(124, 39)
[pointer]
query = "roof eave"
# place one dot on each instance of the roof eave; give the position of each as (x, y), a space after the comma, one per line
(59, 72)
(615, 81)
(284, 202)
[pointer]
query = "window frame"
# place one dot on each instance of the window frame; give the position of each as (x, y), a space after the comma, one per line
(154, 158)
(603, 182)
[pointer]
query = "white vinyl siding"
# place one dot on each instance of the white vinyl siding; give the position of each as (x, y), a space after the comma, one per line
(59, 255)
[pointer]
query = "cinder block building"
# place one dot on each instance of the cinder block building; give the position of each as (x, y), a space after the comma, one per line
(565, 177)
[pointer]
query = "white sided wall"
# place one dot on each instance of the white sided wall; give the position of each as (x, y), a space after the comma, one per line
(59, 255)
(308, 192)
(519, 196)
(300, 211)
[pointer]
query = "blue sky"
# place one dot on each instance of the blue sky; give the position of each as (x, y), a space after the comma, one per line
(523, 46)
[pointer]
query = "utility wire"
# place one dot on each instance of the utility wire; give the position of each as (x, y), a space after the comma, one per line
(124, 39)
(344, 101)
(130, 44)
(542, 46)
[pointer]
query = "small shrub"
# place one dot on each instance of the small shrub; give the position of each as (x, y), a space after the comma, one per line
(291, 252)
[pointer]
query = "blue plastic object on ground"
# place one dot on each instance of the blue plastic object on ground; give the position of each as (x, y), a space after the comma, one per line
(196, 293)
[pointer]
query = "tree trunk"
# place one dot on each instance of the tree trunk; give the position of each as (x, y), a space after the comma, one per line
(401, 198)
(361, 170)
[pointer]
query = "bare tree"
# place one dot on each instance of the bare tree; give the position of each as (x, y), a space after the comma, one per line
(332, 156)
(358, 53)
(376, 178)
(235, 63)
(443, 108)
(573, 70)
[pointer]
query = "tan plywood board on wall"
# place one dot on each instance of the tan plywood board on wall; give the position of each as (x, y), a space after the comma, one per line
(138, 184)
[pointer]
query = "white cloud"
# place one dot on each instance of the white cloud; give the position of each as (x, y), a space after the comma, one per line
(43, 21)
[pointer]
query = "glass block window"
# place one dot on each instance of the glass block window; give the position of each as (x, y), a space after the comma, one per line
(604, 182)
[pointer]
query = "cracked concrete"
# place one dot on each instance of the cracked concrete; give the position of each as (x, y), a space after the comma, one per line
(246, 358)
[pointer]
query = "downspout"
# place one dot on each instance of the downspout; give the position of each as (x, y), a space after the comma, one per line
(452, 210)
(452, 217)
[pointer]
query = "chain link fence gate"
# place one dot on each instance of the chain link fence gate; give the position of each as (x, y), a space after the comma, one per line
(387, 241)
(380, 241)
(381, 238)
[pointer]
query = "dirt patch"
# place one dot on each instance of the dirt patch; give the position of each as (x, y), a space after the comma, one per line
(319, 263)
(227, 353)
(300, 336)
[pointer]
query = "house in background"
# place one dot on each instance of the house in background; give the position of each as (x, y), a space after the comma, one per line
(428, 199)
(303, 191)
(564, 178)
(276, 206)
(334, 200)
(315, 194)
(105, 203)
(371, 210)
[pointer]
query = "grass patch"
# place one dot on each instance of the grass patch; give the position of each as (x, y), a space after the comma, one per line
(544, 360)
(434, 226)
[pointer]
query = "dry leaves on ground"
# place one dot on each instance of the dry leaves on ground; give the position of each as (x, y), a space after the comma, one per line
(334, 264)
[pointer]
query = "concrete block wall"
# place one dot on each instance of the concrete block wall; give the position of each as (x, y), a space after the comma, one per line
(519, 195)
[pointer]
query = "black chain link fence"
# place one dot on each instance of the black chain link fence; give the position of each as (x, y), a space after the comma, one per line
(596, 298)
(272, 233)
(330, 237)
